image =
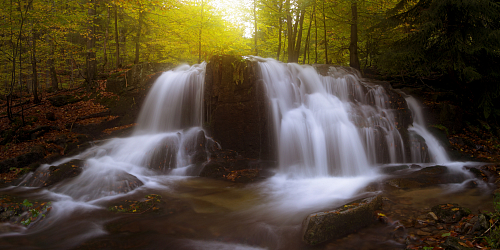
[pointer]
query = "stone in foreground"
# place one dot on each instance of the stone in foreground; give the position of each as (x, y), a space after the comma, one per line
(322, 226)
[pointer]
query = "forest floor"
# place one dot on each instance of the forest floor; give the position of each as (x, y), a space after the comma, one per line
(46, 124)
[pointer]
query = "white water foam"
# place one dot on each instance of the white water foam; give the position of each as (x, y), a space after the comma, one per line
(435, 149)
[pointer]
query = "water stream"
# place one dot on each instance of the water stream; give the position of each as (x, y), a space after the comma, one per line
(333, 132)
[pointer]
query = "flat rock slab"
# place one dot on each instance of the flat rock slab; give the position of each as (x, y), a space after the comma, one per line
(323, 226)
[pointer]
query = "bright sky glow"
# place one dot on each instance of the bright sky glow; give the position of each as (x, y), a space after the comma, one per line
(237, 12)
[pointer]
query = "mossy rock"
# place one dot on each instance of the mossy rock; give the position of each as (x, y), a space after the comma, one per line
(450, 212)
(337, 223)
(64, 171)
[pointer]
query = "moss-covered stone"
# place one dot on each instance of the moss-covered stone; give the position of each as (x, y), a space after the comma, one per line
(337, 223)
(426, 177)
(450, 213)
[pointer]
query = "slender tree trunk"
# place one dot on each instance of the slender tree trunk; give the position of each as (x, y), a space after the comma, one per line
(326, 38)
(54, 84)
(255, 26)
(91, 55)
(316, 37)
(125, 50)
(201, 29)
(306, 49)
(353, 47)
(117, 40)
(289, 31)
(299, 36)
(138, 37)
(280, 30)
(106, 33)
(21, 79)
(34, 72)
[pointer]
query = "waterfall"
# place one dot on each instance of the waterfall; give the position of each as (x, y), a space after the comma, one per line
(333, 125)
(437, 152)
(167, 139)
(174, 102)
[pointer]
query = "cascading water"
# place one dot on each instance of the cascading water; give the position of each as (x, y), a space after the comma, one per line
(331, 129)
(437, 152)
(334, 125)
(165, 140)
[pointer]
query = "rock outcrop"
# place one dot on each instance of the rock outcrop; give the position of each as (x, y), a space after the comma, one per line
(322, 226)
(236, 108)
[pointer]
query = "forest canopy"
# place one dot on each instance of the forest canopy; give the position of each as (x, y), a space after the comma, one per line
(61, 44)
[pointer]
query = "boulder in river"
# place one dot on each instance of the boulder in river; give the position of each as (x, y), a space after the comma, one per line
(450, 213)
(427, 177)
(322, 226)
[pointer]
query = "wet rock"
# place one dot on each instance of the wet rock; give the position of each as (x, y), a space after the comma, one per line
(236, 105)
(200, 152)
(392, 169)
(450, 213)
(64, 171)
(48, 176)
(322, 226)
(453, 243)
(478, 173)
(36, 153)
(477, 225)
(62, 100)
(214, 170)
(426, 177)
(164, 157)
(10, 228)
(125, 183)
(470, 184)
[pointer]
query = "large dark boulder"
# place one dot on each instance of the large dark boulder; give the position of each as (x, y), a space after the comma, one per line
(48, 176)
(36, 153)
(230, 166)
(236, 106)
(450, 213)
(322, 226)
(426, 177)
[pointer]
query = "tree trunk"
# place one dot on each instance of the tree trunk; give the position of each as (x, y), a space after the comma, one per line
(280, 30)
(353, 47)
(117, 40)
(91, 55)
(316, 37)
(289, 30)
(54, 84)
(326, 38)
(255, 26)
(308, 38)
(201, 29)
(138, 37)
(105, 59)
(296, 53)
(34, 72)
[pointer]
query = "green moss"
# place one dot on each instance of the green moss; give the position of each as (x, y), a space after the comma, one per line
(150, 204)
(441, 127)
